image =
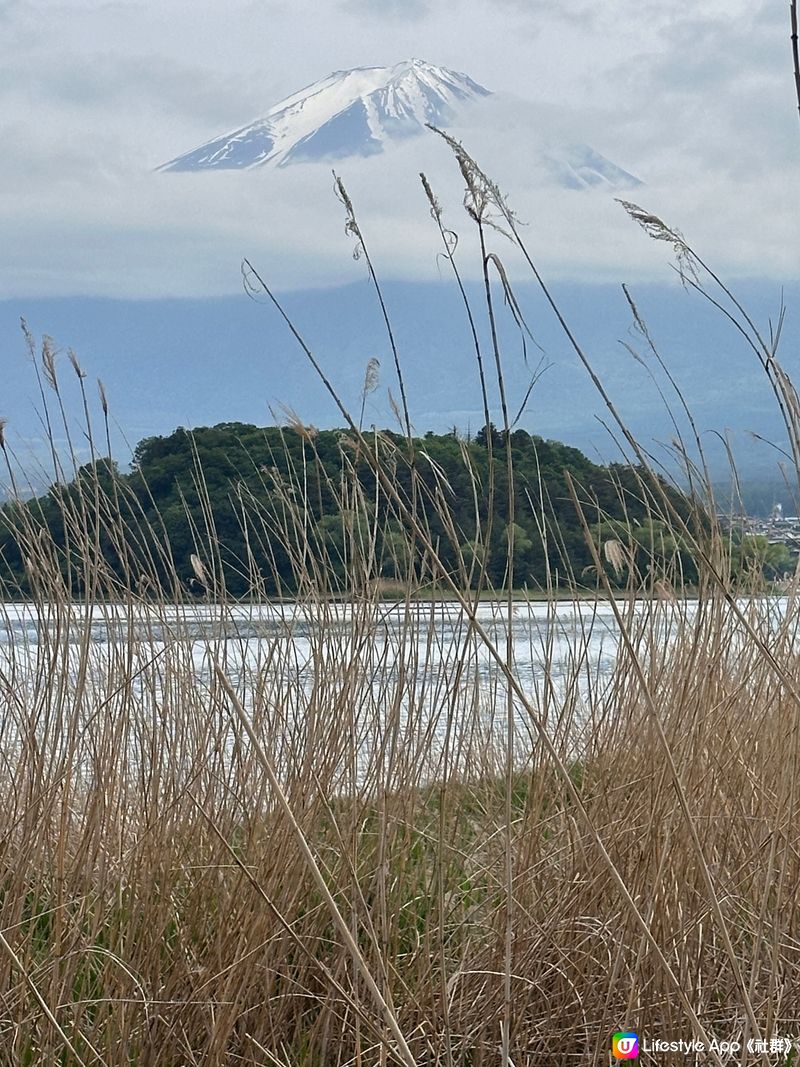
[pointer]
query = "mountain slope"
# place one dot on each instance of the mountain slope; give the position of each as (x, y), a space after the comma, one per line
(349, 113)
(197, 362)
(581, 167)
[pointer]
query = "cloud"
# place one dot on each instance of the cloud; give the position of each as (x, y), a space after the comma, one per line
(718, 93)
(392, 9)
(126, 84)
(145, 235)
(697, 101)
(541, 13)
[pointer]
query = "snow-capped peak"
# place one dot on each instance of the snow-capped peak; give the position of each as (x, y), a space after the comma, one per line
(348, 113)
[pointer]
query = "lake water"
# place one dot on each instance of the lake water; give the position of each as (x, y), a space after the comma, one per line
(424, 668)
(552, 636)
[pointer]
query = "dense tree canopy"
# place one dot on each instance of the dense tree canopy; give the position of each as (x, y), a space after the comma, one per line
(260, 507)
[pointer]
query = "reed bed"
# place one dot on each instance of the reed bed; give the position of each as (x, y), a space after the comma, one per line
(333, 829)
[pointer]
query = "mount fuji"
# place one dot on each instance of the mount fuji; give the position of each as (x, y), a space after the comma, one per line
(349, 113)
(360, 112)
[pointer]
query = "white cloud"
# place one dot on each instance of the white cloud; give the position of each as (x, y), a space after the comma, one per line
(697, 100)
(392, 9)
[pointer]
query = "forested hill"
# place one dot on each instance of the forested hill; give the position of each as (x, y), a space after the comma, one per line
(260, 507)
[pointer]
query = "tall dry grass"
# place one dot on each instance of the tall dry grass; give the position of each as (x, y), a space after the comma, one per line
(438, 831)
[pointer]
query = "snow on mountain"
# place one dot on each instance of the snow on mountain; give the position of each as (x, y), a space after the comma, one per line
(359, 112)
(349, 113)
(580, 167)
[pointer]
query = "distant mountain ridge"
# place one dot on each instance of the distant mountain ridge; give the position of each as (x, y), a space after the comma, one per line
(207, 360)
(361, 112)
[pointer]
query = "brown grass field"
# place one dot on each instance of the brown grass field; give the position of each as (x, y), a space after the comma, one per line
(353, 843)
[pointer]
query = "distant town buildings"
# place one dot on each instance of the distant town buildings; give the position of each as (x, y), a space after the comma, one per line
(779, 529)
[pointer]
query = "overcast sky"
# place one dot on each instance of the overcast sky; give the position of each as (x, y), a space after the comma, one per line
(693, 96)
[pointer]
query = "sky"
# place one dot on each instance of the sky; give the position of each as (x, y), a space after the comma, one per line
(695, 98)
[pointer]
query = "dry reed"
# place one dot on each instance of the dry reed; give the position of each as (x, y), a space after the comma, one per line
(442, 830)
